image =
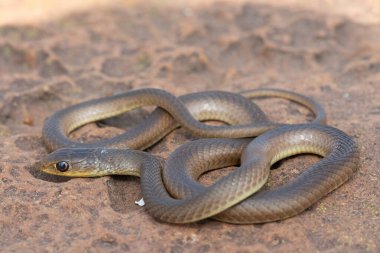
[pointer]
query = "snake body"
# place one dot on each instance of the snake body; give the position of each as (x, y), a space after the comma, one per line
(339, 162)
(224, 199)
(228, 107)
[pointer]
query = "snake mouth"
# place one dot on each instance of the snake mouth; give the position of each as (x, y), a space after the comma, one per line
(53, 171)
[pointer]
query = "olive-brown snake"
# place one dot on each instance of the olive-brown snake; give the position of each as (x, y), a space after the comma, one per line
(192, 201)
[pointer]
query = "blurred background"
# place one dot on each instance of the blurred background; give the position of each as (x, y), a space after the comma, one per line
(25, 11)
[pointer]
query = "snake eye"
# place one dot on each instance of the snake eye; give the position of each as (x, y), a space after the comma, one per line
(62, 166)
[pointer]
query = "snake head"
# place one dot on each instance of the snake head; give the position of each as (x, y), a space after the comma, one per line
(71, 162)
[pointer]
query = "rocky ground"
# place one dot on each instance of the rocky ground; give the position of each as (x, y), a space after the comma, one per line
(47, 66)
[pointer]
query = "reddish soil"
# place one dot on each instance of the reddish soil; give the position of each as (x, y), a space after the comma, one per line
(46, 67)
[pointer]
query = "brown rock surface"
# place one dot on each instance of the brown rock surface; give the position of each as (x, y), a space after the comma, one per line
(49, 66)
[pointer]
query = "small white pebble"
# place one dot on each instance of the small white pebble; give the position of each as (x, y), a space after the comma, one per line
(140, 202)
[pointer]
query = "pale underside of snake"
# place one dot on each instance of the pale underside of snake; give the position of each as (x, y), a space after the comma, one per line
(171, 192)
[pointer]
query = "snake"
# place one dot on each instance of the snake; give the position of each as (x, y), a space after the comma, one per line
(171, 191)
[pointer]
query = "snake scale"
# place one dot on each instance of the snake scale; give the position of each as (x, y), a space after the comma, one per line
(170, 189)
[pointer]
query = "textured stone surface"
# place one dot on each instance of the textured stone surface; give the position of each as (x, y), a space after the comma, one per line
(46, 67)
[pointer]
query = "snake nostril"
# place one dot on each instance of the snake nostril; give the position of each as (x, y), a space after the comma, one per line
(62, 166)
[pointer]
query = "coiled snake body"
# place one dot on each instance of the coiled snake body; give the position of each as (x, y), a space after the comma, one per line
(173, 194)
